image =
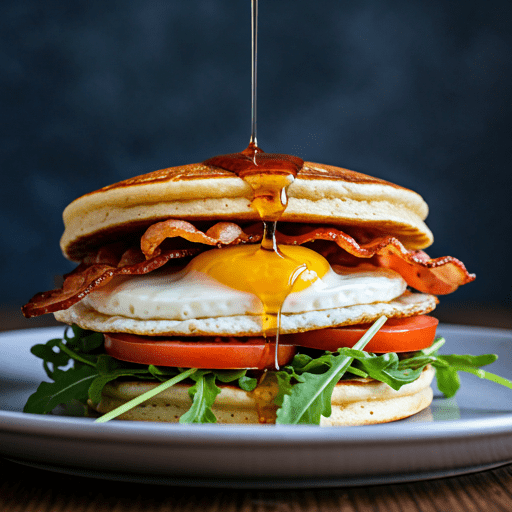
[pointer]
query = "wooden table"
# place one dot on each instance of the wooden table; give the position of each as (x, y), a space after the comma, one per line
(25, 489)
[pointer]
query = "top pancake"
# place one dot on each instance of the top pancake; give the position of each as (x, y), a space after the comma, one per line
(321, 194)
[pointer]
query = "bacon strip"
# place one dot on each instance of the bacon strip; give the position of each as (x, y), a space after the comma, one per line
(100, 269)
(436, 276)
(222, 233)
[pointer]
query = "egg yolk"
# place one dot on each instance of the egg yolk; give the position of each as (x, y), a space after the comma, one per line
(270, 275)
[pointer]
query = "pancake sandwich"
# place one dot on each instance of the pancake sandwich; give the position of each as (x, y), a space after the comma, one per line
(239, 289)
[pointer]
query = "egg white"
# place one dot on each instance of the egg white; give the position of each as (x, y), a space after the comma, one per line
(187, 294)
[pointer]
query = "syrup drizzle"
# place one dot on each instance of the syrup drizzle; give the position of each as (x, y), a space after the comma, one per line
(254, 65)
(269, 175)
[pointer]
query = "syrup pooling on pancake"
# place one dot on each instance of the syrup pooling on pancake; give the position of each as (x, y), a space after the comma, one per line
(267, 271)
(268, 174)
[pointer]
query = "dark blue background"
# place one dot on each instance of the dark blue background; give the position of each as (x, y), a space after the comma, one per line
(414, 92)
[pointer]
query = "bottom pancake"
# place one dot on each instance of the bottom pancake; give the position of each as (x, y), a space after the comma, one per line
(354, 402)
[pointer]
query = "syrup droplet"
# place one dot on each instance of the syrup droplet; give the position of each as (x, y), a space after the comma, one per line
(254, 66)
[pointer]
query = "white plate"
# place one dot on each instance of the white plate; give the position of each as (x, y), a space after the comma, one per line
(466, 434)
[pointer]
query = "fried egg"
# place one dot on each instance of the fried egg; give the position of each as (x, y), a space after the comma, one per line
(229, 283)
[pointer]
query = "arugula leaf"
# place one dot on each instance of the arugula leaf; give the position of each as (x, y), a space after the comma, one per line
(110, 369)
(78, 358)
(318, 365)
(310, 398)
(83, 341)
(162, 373)
(284, 383)
(203, 394)
(247, 383)
(468, 361)
(384, 368)
(49, 356)
(447, 380)
(357, 372)
(69, 384)
(300, 361)
(205, 390)
(244, 382)
(229, 375)
(448, 366)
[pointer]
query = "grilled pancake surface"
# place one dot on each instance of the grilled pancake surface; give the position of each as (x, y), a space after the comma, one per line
(320, 194)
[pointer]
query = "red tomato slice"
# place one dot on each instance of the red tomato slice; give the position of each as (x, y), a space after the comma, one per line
(220, 354)
(396, 335)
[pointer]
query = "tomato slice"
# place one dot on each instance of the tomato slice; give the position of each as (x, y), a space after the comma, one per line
(207, 353)
(396, 335)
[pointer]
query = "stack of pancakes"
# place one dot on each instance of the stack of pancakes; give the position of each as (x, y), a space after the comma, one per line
(372, 230)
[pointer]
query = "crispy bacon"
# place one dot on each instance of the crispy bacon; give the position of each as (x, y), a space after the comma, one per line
(222, 233)
(437, 276)
(99, 269)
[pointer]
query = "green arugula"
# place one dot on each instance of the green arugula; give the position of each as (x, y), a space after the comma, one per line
(72, 384)
(80, 369)
(448, 366)
(203, 393)
(310, 397)
(90, 369)
(302, 379)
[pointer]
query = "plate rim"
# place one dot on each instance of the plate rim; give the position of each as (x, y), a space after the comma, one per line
(485, 441)
(289, 434)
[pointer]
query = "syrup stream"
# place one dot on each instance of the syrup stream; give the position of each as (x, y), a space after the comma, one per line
(268, 242)
(269, 175)
(254, 33)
